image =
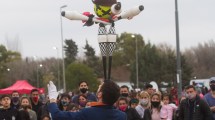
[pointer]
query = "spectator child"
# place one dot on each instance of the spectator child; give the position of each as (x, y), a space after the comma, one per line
(45, 117)
(166, 112)
(133, 102)
(131, 113)
(82, 101)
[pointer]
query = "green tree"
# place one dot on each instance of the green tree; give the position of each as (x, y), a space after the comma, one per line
(92, 60)
(125, 49)
(6, 56)
(71, 51)
(187, 71)
(168, 63)
(155, 63)
(77, 72)
(148, 64)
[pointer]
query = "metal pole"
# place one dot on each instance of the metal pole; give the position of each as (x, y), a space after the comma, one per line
(10, 78)
(137, 63)
(58, 67)
(136, 51)
(179, 81)
(63, 64)
(37, 77)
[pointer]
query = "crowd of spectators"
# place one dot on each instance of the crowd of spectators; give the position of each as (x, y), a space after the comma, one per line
(147, 104)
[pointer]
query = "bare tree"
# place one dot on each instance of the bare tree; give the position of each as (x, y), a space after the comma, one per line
(202, 59)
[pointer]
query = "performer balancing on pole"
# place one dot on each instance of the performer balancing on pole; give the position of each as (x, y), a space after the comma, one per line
(108, 12)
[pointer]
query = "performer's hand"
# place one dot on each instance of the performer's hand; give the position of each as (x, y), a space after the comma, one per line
(52, 91)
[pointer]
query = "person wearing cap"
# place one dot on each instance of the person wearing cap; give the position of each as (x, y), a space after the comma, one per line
(107, 94)
(210, 97)
(7, 113)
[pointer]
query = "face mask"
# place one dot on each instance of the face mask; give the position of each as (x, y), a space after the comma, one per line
(155, 104)
(123, 108)
(144, 102)
(64, 103)
(82, 104)
(83, 90)
(212, 87)
(25, 107)
(35, 99)
(15, 99)
(124, 94)
(190, 96)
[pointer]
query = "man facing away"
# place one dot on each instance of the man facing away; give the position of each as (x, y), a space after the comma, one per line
(107, 94)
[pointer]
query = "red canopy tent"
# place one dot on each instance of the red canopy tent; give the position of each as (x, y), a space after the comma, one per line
(22, 86)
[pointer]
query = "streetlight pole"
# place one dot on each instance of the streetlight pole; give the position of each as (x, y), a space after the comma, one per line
(58, 67)
(63, 64)
(40, 65)
(9, 71)
(136, 51)
(35, 59)
(179, 81)
(37, 77)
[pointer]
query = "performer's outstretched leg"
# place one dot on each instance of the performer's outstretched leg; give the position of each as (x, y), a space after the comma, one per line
(111, 37)
(102, 39)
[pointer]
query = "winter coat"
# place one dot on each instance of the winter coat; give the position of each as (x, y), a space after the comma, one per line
(147, 115)
(132, 114)
(43, 110)
(194, 110)
(8, 114)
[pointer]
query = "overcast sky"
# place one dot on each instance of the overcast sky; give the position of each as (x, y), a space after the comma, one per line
(33, 26)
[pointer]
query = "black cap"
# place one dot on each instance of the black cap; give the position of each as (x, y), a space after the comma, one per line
(104, 2)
